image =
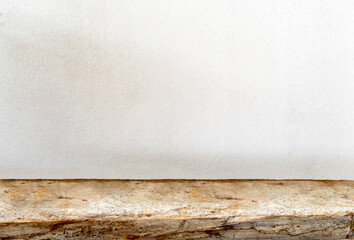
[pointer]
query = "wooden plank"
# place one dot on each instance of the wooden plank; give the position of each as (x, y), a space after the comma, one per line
(176, 209)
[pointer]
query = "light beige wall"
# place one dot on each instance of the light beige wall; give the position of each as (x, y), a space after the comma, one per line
(177, 89)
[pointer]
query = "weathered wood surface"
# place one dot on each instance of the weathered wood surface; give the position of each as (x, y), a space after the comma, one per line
(176, 209)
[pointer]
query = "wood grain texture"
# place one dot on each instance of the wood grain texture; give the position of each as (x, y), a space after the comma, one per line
(176, 209)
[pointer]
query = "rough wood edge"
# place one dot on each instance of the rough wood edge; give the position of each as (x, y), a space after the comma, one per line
(176, 209)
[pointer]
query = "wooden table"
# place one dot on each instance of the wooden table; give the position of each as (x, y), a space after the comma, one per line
(176, 209)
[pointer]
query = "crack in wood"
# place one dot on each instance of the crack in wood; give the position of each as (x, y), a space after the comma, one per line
(351, 229)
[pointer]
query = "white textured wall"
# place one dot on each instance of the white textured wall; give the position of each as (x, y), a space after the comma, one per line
(177, 89)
